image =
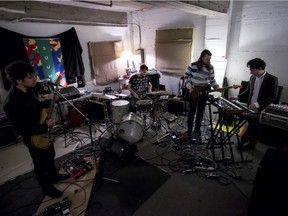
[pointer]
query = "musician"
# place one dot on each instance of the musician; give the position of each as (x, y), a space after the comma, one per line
(139, 84)
(199, 74)
(261, 91)
(23, 109)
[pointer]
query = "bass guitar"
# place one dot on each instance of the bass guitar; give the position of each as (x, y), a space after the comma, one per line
(198, 90)
(43, 141)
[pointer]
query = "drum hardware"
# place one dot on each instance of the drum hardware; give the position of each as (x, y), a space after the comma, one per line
(158, 93)
(121, 95)
(158, 122)
(103, 96)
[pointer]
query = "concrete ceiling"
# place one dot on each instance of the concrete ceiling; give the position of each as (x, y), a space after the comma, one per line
(107, 13)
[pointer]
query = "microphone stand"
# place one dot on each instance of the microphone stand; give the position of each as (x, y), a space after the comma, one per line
(87, 120)
(90, 124)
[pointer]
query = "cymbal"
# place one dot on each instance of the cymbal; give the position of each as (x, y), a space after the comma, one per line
(159, 93)
(103, 96)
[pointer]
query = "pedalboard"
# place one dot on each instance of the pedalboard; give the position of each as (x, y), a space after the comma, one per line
(77, 166)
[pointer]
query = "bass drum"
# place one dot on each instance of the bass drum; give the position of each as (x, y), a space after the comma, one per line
(131, 128)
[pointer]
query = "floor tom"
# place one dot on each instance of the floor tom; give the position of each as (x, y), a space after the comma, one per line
(119, 108)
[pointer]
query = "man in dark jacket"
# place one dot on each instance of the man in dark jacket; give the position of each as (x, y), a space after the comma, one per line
(23, 109)
(261, 91)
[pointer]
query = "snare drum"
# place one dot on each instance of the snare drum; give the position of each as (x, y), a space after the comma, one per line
(119, 108)
(144, 105)
(131, 128)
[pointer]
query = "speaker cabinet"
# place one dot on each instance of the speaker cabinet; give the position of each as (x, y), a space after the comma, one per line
(175, 106)
(43, 88)
(76, 118)
(80, 82)
(270, 185)
(123, 150)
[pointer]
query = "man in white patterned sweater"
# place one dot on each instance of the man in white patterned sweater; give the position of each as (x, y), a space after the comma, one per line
(199, 78)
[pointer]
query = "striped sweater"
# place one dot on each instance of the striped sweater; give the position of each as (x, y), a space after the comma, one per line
(203, 77)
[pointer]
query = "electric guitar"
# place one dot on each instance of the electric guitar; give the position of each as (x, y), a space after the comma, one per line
(198, 90)
(43, 141)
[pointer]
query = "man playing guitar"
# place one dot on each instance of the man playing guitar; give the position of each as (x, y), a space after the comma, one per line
(23, 109)
(199, 78)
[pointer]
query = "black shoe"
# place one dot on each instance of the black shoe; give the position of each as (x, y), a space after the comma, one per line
(247, 146)
(60, 177)
(197, 133)
(51, 191)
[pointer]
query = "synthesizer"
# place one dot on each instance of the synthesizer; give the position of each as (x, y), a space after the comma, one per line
(225, 105)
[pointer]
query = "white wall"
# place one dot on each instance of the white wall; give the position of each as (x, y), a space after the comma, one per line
(258, 29)
(152, 20)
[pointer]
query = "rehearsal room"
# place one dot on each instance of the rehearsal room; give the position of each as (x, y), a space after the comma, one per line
(143, 108)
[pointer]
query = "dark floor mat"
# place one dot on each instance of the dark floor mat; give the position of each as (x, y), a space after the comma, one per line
(138, 181)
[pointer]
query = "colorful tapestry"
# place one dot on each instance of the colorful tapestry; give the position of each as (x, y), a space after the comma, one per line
(46, 57)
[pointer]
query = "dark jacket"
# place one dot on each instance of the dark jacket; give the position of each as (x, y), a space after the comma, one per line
(267, 93)
(23, 111)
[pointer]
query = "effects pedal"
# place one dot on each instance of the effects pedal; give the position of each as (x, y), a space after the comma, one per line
(179, 138)
(77, 166)
(57, 209)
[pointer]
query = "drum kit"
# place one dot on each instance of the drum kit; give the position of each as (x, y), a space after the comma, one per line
(130, 126)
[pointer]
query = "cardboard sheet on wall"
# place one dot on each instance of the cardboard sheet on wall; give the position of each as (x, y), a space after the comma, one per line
(106, 66)
(173, 50)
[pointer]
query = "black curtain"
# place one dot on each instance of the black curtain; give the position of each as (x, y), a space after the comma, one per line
(13, 49)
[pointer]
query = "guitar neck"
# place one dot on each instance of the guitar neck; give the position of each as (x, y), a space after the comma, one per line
(224, 88)
(51, 108)
(220, 89)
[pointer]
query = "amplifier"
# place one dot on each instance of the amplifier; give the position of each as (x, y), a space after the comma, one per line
(7, 135)
(275, 120)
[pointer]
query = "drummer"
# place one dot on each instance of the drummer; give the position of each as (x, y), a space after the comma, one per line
(139, 84)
